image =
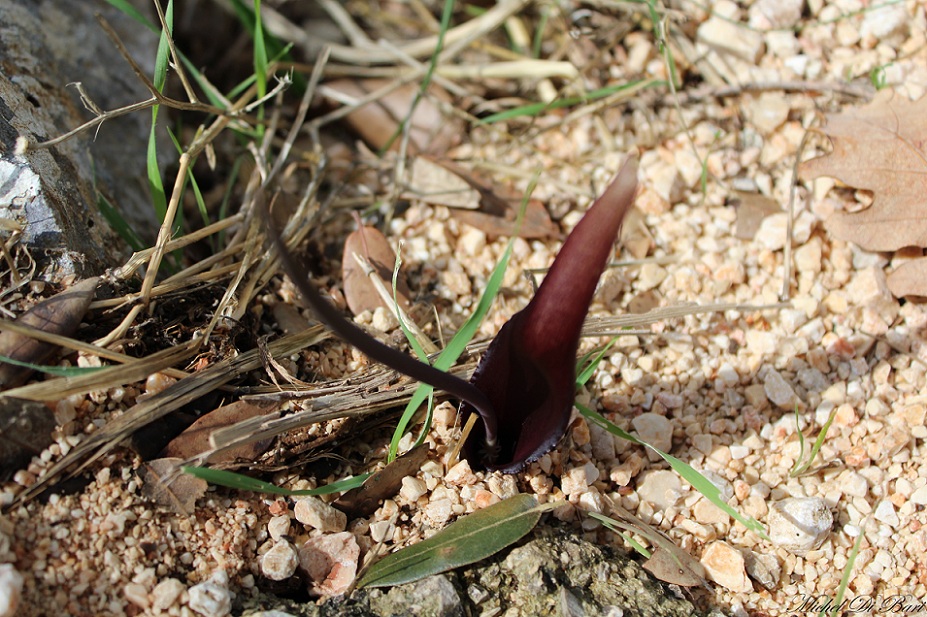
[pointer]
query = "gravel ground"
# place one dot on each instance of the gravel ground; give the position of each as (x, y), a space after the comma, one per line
(717, 390)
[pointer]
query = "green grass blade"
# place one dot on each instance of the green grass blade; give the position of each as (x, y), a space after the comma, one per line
(260, 51)
(129, 10)
(119, 223)
(615, 527)
(57, 371)
(589, 363)
(462, 338)
(798, 469)
(536, 109)
(230, 479)
(699, 482)
(200, 202)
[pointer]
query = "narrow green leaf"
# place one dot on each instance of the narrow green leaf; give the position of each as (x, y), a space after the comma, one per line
(119, 223)
(260, 51)
(57, 371)
(468, 540)
(242, 482)
(699, 482)
(535, 109)
(129, 10)
(198, 195)
(591, 362)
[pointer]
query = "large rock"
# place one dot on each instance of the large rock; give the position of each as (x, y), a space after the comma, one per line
(52, 193)
(554, 573)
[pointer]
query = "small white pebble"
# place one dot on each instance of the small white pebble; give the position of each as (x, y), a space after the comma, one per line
(278, 526)
(210, 599)
(11, 588)
(725, 566)
(412, 489)
(799, 524)
(317, 514)
(279, 563)
(166, 594)
(885, 513)
(137, 595)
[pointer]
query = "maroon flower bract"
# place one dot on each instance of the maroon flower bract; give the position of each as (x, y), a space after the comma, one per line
(528, 373)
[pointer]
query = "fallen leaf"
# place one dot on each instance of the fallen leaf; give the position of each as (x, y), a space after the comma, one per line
(364, 500)
(167, 486)
(879, 147)
(668, 567)
(467, 540)
(379, 121)
(61, 314)
(437, 185)
(359, 291)
(635, 238)
(909, 279)
(752, 208)
(195, 439)
(25, 430)
(536, 223)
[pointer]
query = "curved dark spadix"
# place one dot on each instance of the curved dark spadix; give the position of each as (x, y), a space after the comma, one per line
(528, 372)
(376, 350)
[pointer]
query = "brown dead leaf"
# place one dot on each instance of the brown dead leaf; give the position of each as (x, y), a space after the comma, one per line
(635, 238)
(61, 314)
(676, 569)
(881, 147)
(25, 430)
(359, 291)
(752, 208)
(435, 184)
(167, 486)
(365, 499)
(378, 122)
(909, 279)
(195, 439)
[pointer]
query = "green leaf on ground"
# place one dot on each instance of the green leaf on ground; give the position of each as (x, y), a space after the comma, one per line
(468, 540)
(242, 482)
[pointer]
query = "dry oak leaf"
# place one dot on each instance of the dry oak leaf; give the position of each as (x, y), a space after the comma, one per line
(881, 147)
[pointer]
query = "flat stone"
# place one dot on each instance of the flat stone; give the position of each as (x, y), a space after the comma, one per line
(330, 562)
(778, 390)
(775, 14)
(576, 480)
(655, 430)
(764, 568)
(54, 192)
(725, 37)
(725, 566)
(317, 514)
(799, 524)
(885, 513)
(767, 112)
(166, 594)
(661, 488)
(211, 598)
(708, 513)
(11, 588)
(279, 563)
(919, 496)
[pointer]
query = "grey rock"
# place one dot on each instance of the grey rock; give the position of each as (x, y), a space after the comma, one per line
(44, 46)
(554, 573)
(799, 524)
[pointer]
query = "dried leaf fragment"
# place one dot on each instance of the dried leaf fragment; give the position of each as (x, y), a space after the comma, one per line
(167, 486)
(195, 439)
(364, 500)
(379, 121)
(881, 147)
(359, 291)
(61, 314)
